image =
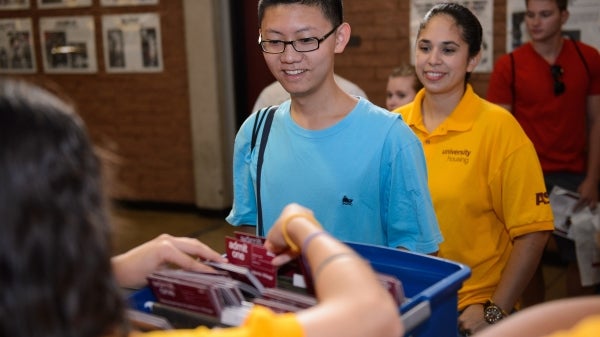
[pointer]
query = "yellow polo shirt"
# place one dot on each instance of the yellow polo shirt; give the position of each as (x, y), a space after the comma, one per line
(486, 185)
(261, 322)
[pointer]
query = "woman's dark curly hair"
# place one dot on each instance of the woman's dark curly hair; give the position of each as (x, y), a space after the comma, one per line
(55, 270)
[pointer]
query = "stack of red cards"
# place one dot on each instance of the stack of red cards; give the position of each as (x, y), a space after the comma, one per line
(281, 300)
(208, 294)
(248, 278)
(248, 250)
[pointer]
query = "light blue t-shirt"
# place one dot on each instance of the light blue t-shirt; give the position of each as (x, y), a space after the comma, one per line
(365, 178)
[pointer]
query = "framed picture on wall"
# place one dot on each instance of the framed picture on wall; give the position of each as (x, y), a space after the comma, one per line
(63, 3)
(68, 44)
(128, 2)
(13, 4)
(132, 43)
(16, 46)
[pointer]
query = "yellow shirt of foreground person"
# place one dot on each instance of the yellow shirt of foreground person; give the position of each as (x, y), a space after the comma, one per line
(589, 327)
(260, 322)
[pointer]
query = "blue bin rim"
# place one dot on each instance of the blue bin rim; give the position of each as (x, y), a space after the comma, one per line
(451, 283)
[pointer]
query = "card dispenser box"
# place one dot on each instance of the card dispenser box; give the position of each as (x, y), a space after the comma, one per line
(430, 285)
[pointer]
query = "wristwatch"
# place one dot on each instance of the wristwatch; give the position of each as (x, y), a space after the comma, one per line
(492, 312)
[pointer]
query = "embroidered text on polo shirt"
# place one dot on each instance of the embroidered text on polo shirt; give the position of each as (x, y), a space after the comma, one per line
(460, 156)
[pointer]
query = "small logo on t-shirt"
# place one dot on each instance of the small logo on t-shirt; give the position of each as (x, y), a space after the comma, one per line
(347, 201)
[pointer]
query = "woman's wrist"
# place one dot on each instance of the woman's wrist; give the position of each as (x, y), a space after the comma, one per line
(297, 227)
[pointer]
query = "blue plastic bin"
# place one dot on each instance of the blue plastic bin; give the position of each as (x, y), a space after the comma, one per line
(430, 285)
(138, 299)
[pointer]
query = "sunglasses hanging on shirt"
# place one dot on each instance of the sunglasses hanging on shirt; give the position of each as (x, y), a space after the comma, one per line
(557, 73)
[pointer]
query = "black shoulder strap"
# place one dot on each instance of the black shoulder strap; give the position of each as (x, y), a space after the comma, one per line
(270, 112)
(512, 84)
(258, 120)
(587, 69)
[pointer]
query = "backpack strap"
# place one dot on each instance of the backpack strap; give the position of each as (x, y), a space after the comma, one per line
(587, 69)
(267, 116)
(258, 121)
(513, 89)
(512, 83)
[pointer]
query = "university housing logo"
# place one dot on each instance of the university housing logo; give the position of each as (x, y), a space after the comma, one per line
(457, 156)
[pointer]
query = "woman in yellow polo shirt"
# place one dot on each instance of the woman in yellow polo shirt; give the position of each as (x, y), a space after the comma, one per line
(484, 176)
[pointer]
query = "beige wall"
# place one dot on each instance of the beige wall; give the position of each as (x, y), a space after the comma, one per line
(211, 101)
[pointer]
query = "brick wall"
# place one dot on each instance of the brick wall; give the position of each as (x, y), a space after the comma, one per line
(143, 120)
(382, 26)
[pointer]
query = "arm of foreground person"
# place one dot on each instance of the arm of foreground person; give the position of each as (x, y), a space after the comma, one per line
(352, 302)
(546, 318)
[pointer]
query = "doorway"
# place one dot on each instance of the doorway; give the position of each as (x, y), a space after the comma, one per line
(251, 74)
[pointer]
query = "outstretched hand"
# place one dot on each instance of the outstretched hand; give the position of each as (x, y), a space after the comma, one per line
(275, 241)
(132, 267)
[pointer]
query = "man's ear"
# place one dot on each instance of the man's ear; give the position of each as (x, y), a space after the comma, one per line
(564, 16)
(342, 36)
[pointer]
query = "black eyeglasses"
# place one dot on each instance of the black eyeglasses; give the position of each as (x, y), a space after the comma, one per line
(557, 73)
(301, 45)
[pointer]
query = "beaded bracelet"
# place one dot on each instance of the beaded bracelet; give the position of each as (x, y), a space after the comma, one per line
(286, 237)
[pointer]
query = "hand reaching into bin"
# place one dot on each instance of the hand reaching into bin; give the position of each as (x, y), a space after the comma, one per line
(334, 267)
(132, 267)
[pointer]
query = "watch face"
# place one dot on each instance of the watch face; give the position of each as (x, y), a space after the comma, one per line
(492, 313)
